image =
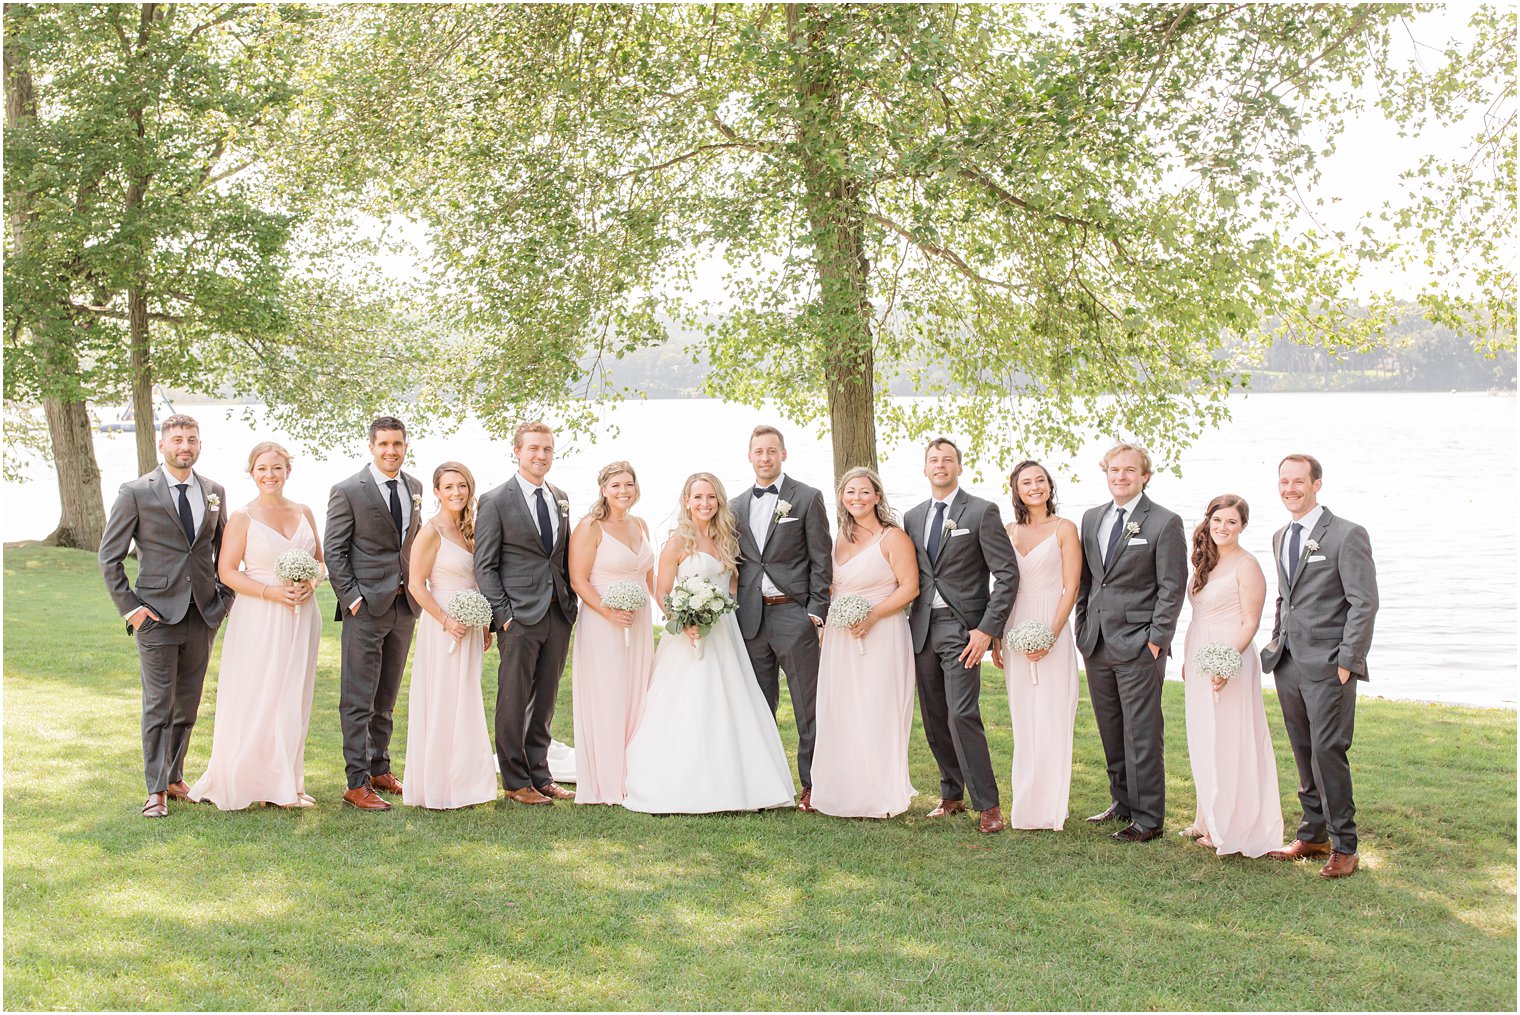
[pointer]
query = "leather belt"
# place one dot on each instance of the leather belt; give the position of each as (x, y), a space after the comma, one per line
(775, 600)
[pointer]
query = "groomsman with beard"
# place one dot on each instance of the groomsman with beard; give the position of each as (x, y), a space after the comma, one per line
(522, 565)
(1134, 575)
(786, 564)
(1327, 598)
(961, 543)
(372, 519)
(175, 517)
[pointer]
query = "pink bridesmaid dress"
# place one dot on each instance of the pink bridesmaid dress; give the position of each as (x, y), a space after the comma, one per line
(449, 761)
(608, 679)
(1044, 713)
(865, 702)
(1229, 745)
(263, 693)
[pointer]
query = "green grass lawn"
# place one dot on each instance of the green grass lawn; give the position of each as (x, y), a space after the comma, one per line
(508, 907)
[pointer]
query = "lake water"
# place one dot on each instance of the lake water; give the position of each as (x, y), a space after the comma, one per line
(1431, 476)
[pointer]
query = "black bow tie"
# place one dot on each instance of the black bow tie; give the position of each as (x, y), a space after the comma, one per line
(761, 491)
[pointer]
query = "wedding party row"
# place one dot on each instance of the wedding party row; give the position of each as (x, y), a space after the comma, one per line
(861, 621)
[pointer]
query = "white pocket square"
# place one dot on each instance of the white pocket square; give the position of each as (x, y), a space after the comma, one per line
(783, 521)
(1318, 556)
(1137, 541)
(960, 532)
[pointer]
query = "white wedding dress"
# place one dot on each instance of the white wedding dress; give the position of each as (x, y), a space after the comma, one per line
(707, 741)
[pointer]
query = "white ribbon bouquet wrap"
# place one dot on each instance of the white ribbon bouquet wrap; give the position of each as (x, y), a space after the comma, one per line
(297, 566)
(1219, 659)
(696, 602)
(847, 611)
(471, 609)
(1031, 636)
(625, 595)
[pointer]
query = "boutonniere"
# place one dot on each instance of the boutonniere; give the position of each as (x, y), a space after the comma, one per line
(783, 508)
(213, 502)
(1132, 529)
(416, 502)
(949, 525)
(1312, 546)
(564, 508)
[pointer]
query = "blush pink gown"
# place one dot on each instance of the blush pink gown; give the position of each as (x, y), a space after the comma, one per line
(608, 679)
(263, 693)
(865, 702)
(1045, 713)
(1229, 745)
(449, 761)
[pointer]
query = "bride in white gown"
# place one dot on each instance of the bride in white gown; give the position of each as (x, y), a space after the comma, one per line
(707, 741)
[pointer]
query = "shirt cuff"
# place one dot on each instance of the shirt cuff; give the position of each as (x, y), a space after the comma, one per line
(356, 602)
(129, 613)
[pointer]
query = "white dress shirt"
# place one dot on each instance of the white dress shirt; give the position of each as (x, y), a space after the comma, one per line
(1308, 521)
(1109, 520)
(403, 493)
(948, 499)
(530, 495)
(760, 511)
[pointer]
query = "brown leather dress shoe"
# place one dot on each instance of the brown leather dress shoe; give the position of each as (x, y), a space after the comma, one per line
(805, 804)
(386, 783)
(991, 821)
(179, 791)
(1112, 814)
(948, 807)
(528, 795)
(554, 791)
(1341, 865)
(1300, 850)
(1134, 833)
(365, 799)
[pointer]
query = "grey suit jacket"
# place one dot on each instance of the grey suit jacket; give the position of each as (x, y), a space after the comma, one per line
(511, 567)
(977, 547)
(171, 570)
(365, 557)
(1325, 620)
(798, 555)
(1137, 598)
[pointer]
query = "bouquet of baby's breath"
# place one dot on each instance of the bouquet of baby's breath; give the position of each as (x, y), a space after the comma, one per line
(1218, 659)
(696, 602)
(297, 566)
(1030, 636)
(847, 611)
(625, 595)
(470, 608)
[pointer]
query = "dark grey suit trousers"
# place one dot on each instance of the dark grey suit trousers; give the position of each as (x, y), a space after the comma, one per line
(374, 656)
(950, 701)
(1320, 716)
(1126, 697)
(172, 662)
(788, 640)
(527, 684)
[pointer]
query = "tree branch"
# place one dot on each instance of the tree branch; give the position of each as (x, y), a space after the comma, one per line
(943, 253)
(688, 156)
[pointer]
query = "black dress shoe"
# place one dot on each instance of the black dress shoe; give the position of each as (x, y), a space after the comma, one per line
(1134, 833)
(1112, 814)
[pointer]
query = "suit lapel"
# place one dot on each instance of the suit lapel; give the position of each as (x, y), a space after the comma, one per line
(519, 505)
(1090, 523)
(952, 516)
(1142, 508)
(913, 522)
(564, 520)
(1282, 574)
(416, 495)
(787, 486)
(1320, 528)
(208, 517)
(382, 496)
(159, 482)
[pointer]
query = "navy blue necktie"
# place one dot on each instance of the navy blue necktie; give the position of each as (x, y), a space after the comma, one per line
(396, 508)
(186, 519)
(1113, 538)
(545, 529)
(1293, 552)
(937, 530)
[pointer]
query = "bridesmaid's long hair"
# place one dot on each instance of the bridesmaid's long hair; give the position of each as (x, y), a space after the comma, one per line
(601, 509)
(1020, 509)
(466, 516)
(725, 534)
(847, 526)
(1205, 553)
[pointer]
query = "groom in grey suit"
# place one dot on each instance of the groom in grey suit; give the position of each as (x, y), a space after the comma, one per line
(522, 565)
(175, 517)
(961, 542)
(786, 563)
(373, 517)
(1134, 576)
(1327, 599)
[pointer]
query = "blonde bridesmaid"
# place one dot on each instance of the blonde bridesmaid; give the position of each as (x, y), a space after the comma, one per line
(269, 653)
(1044, 713)
(1229, 745)
(865, 674)
(449, 761)
(614, 649)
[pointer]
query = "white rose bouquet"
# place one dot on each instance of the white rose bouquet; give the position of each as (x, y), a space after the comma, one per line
(1218, 659)
(470, 608)
(1030, 636)
(625, 595)
(696, 602)
(297, 566)
(847, 611)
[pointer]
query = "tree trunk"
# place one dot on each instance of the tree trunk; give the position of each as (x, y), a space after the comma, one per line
(82, 518)
(842, 322)
(142, 381)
